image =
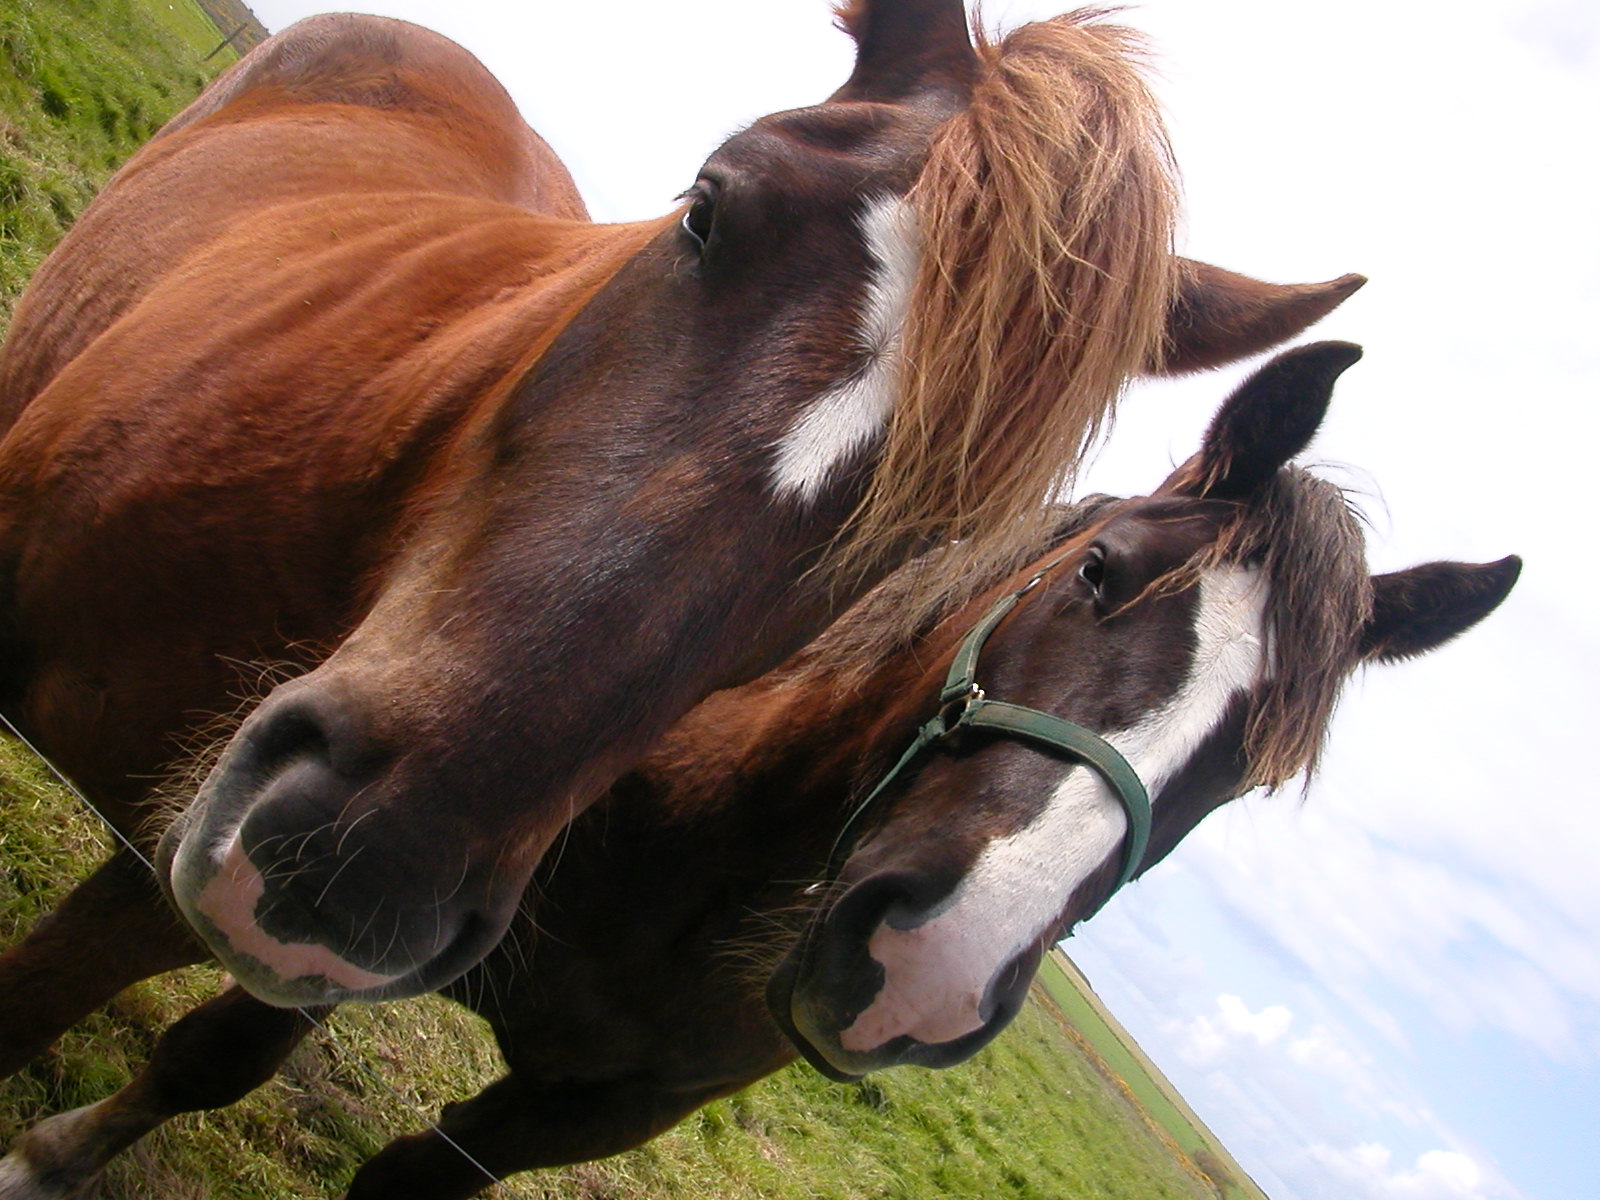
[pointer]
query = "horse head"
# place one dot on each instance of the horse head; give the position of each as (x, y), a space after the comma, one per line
(1204, 632)
(858, 321)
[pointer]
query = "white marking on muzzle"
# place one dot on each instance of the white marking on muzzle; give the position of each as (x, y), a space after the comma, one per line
(937, 973)
(228, 902)
(848, 417)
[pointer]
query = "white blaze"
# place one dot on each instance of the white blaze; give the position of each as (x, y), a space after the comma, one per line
(849, 416)
(935, 974)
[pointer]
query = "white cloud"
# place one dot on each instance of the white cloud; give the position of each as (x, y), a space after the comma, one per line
(1268, 1025)
(1271, 1080)
(1320, 1051)
(1437, 1175)
(1567, 31)
(1208, 1038)
(1235, 1040)
(1352, 908)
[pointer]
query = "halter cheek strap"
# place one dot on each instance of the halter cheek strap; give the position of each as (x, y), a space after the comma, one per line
(963, 705)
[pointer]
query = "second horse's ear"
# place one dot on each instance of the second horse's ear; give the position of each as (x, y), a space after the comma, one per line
(1270, 418)
(907, 46)
(1221, 316)
(1421, 608)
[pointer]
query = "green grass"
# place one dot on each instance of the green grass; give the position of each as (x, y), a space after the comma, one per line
(1038, 1115)
(83, 83)
(1128, 1066)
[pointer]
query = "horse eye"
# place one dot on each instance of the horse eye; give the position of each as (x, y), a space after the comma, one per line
(1093, 570)
(702, 208)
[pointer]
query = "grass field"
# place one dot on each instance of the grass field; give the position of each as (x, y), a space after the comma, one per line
(1150, 1090)
(83, 83)
(1039, 1115)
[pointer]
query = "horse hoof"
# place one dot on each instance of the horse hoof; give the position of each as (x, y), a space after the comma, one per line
(19, 1181)
(37, 1170)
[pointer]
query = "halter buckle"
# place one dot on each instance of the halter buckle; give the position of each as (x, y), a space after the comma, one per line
(956, 712)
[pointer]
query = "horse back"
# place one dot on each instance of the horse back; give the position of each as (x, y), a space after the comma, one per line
(338, 105)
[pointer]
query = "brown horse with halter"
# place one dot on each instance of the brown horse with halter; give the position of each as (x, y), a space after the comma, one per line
(336, 374)
(783, 874)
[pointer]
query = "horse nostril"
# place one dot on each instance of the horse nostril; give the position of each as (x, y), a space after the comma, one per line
(301, 725)
(842, 977)
(283, 735)
(302, 865)
(901, 900)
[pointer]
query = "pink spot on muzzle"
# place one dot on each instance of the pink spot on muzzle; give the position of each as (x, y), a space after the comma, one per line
(933, 987)
(229, 902)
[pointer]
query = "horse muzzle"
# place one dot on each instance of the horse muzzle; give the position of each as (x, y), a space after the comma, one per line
(876, 983)
(309, 887)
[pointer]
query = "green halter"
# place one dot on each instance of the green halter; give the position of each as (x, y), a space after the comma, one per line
(963, 705)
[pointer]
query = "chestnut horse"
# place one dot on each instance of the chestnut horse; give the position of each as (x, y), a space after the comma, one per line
(335, 373)
(1202, 633)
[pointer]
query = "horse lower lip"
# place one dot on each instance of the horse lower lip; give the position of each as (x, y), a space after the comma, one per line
(781, 1007)
(813, 1054)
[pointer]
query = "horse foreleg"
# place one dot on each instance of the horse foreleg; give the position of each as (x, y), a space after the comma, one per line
(209, 1058)
(113, 930)
(511, 1126)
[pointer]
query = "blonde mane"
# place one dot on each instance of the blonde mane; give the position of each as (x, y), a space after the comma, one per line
(1047, 212)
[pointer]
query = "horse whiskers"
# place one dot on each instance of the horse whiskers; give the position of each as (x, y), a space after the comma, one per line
(750, 964)
(394, 934)
(772, 932)
(323, 894)
(199, 745)
(371, 920)
(461, 880)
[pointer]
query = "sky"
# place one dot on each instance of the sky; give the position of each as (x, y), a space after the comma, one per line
(1387, 985)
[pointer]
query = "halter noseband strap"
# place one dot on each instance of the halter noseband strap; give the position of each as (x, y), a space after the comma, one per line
(963, 705)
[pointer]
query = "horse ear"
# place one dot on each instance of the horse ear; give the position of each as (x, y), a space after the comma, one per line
(1220, 316)
(907, 46)
(1272, 417)
(1419, 609)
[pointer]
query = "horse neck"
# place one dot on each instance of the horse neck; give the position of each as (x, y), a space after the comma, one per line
(430, 406)
(778, 764)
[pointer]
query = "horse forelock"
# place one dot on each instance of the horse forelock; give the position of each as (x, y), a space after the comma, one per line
(1307, 537)
(1045, 213)
(873, 630)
